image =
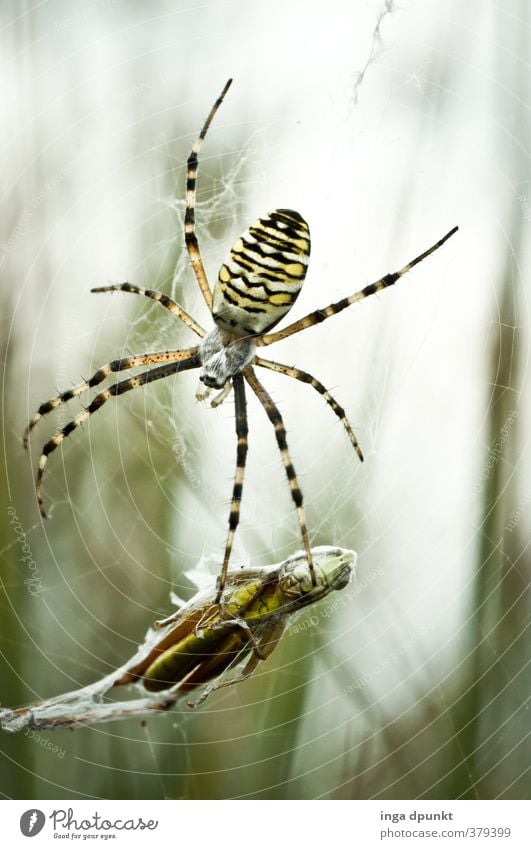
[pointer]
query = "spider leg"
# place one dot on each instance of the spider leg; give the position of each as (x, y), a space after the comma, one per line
(276, 420)
(320, 315)
(99, 376)
(202, 392)
(246, 672)
(242, 430)
(304, 377)
(160, 297)
(220, 397)
(244, 627)
(112, 392)
(190, 237)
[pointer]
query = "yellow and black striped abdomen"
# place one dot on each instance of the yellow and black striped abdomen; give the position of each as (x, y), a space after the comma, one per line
(261, 278)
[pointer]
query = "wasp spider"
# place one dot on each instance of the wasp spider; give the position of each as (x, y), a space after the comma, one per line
(257, 285)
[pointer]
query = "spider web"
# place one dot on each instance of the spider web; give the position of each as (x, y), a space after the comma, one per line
(425, 675)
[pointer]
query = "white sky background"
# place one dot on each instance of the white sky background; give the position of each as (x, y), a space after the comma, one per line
(95, 93)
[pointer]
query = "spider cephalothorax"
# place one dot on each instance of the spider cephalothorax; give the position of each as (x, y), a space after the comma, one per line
(257, 285)
(223, 355)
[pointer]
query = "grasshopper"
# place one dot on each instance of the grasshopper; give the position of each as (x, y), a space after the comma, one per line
(206, 640)
(206, 643)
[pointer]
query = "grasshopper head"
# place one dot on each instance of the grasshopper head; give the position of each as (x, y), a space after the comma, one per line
(334, 568)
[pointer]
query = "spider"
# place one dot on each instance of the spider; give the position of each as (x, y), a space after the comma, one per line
(257, 285)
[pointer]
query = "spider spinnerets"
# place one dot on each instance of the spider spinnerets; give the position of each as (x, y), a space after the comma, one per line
(257, 285)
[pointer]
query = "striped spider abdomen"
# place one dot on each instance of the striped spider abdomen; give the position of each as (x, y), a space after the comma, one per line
(263, 274)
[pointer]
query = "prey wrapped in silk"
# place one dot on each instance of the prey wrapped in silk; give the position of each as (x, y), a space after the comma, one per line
(212, 641)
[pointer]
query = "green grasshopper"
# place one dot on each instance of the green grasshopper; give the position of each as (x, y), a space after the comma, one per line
(204, 643)
(205, 639)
